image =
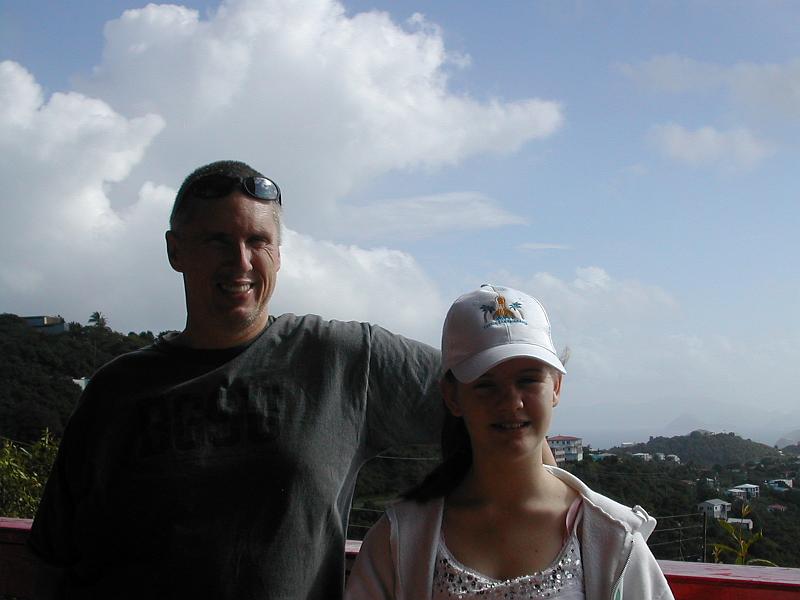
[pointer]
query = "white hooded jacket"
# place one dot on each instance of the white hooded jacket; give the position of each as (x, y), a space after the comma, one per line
(397, 558)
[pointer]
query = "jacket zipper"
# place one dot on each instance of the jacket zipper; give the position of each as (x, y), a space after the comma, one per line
(615, 587)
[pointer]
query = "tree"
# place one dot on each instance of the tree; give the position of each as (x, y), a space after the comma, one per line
(742, 541)
(98, 319)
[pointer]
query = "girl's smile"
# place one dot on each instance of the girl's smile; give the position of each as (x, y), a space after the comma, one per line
(513, 401)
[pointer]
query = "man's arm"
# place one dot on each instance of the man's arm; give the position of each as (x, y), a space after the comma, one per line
(404, 403)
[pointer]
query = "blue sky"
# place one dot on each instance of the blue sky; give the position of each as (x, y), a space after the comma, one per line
(630, 163)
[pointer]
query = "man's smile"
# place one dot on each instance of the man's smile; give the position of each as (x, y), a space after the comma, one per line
(236, 288)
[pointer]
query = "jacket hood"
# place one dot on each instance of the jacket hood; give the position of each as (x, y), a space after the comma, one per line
(633, 519)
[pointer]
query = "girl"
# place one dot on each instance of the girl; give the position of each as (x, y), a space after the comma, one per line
(492, 521)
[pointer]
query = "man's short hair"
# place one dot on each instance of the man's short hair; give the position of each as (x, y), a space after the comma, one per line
(185, 201)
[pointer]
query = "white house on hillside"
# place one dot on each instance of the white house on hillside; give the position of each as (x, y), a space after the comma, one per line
(715, 509)
(736, 494)
(752, 491)
(47, 324)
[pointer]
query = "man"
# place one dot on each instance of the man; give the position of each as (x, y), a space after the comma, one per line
(220, 462)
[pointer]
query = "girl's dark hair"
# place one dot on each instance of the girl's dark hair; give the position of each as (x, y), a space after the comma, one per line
(456, 459)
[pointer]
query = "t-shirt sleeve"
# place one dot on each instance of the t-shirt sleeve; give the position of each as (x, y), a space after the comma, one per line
(404, 404)
(52, 533)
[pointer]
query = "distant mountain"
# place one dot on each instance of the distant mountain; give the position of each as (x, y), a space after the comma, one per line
(789, 439)
(705, 448)
(607, 425)
(793, 449)
(683, 424)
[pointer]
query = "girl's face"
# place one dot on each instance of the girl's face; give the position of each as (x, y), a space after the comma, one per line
(507, 410)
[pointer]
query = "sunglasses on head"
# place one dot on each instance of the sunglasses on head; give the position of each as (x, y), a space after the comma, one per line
(219, 186)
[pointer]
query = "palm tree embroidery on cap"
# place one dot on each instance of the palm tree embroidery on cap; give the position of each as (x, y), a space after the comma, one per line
(502, 312)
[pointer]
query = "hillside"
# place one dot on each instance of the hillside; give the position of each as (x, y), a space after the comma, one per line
(705, 448)
(36, 373)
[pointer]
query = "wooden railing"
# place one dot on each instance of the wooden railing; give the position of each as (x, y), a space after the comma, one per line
(16, 561)
(709, 581)
(689, 581)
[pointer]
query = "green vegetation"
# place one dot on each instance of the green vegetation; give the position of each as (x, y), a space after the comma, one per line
(665, 490)
(38, 394)
(37, 390)
(23, 473)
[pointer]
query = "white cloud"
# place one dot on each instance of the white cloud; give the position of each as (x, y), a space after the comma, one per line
(62, 155)
(708, 146)
(601, 318)
(426, 216)
(593, 298)
(20, 96)
(320, 100)
(763, 97)
(317, 99)
(347, 282)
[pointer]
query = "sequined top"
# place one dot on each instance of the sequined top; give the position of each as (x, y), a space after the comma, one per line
(562, 580)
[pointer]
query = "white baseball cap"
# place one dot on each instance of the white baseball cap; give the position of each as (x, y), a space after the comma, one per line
(493, 324)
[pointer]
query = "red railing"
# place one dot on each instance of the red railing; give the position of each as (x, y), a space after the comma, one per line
(689, 581)
(709, 581)
(16, 561)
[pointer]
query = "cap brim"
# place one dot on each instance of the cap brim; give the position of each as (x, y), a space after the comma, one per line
(475, 366)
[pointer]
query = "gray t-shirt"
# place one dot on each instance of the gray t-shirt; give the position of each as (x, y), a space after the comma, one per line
(229, 473)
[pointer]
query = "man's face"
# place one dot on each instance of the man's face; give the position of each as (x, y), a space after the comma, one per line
(229, 256)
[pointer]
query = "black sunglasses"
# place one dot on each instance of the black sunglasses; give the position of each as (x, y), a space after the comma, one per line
(218, 186)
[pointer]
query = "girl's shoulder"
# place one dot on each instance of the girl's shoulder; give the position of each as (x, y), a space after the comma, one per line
(633, 519)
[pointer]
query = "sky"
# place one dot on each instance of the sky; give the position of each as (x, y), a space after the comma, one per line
(632, 164)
